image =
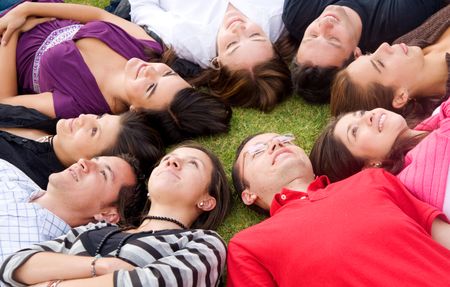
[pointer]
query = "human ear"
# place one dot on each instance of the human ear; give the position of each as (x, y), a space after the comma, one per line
(109, 214)
(248, 197)
(357, 52)
(207, 204)
(400, 98)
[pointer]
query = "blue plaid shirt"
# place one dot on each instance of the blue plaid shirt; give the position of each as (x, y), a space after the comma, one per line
(22, 222)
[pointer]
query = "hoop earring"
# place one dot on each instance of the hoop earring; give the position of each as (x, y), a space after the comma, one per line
(215, 63)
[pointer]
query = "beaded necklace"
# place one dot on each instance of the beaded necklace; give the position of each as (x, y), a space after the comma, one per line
(123, 240)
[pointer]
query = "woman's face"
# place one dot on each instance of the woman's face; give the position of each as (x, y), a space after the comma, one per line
(394, 66)
(242, 44)
(87, 135)
(151, 85)
(182, 178)
(370, 135)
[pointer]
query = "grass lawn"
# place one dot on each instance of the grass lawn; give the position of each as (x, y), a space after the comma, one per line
(304, 120)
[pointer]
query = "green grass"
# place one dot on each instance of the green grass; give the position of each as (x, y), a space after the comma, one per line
(303, 120)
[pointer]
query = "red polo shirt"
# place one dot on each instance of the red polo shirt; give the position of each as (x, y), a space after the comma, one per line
(367, 230)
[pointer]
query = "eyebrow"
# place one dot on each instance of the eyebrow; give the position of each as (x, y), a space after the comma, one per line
(172, 73)
(349, 127)
(375, 66)
(108, 167)
(338, 46)
(237, 46)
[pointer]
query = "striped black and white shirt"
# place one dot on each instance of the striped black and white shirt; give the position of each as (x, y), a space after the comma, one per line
(193, 257)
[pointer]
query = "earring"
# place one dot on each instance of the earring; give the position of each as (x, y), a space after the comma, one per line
(377, 164)
(148, 194)
(201, 204)
(215, 63)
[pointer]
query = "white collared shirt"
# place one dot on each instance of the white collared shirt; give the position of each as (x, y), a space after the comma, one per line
(22, 222)
(191, 27)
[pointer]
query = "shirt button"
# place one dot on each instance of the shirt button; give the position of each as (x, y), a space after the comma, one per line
(303, 197)
(283, 197)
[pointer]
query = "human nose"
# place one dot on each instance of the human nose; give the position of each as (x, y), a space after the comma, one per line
(325, 25)
(384, 48)
(238, 27)
(84, 120)
(86, 165)
(274, 144)
(174, 162)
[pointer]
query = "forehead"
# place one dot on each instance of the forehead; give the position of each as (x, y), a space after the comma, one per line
(341, 129)
(364, 65)
(192, 153)
(320, 52)
(249, 54)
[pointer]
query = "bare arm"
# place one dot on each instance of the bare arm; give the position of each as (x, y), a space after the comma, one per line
(45, 266)
(81, 13)
(42, 102)
(8, 80)
(440, 231)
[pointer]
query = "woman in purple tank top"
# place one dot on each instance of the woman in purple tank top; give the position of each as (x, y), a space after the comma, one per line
(96, 63)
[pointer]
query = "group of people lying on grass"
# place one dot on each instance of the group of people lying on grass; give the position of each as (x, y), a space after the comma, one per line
(89, 101)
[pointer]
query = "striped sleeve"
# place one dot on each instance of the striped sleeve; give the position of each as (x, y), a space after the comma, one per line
(62, 244)
(199, 262)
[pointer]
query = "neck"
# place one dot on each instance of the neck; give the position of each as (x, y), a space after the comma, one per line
(297, 184)
(115, 92)
(157, 223)
(66, 159)
(432, 80)
(61, 209)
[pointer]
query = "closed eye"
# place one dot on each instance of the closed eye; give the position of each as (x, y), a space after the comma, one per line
(103, 172)
(169, 73)
(381, 63)
(354, 131)
(231, 44)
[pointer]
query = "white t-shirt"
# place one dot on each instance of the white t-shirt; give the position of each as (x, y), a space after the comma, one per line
(191, 27)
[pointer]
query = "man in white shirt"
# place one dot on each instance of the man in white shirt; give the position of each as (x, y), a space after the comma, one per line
(88, 190)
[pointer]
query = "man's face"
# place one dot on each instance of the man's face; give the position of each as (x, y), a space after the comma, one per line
(270, 161)
(330, 39)
(91, 185)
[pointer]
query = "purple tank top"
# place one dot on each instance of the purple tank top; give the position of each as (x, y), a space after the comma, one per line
(48, 61)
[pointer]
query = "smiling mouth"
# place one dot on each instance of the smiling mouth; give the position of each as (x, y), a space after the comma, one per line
(283, 152)
(331, 17)
(381, 122)
(404, 47)
(169, 171)
(71, 125)
(234, 20)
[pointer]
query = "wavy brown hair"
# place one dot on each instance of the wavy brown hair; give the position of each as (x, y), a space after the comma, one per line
(262, 87)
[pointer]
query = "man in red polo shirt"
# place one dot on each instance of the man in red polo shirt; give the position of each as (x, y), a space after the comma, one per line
(367, 230)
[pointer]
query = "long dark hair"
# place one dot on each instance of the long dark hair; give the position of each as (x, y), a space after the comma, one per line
(138, 137)
(191, 113)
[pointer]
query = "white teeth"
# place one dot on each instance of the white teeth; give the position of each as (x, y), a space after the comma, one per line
(381, 121)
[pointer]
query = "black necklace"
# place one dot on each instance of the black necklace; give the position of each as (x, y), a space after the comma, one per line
(163, 218)
(109, 234)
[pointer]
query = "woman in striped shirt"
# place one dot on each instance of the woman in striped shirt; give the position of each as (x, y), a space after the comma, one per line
(188, 192)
